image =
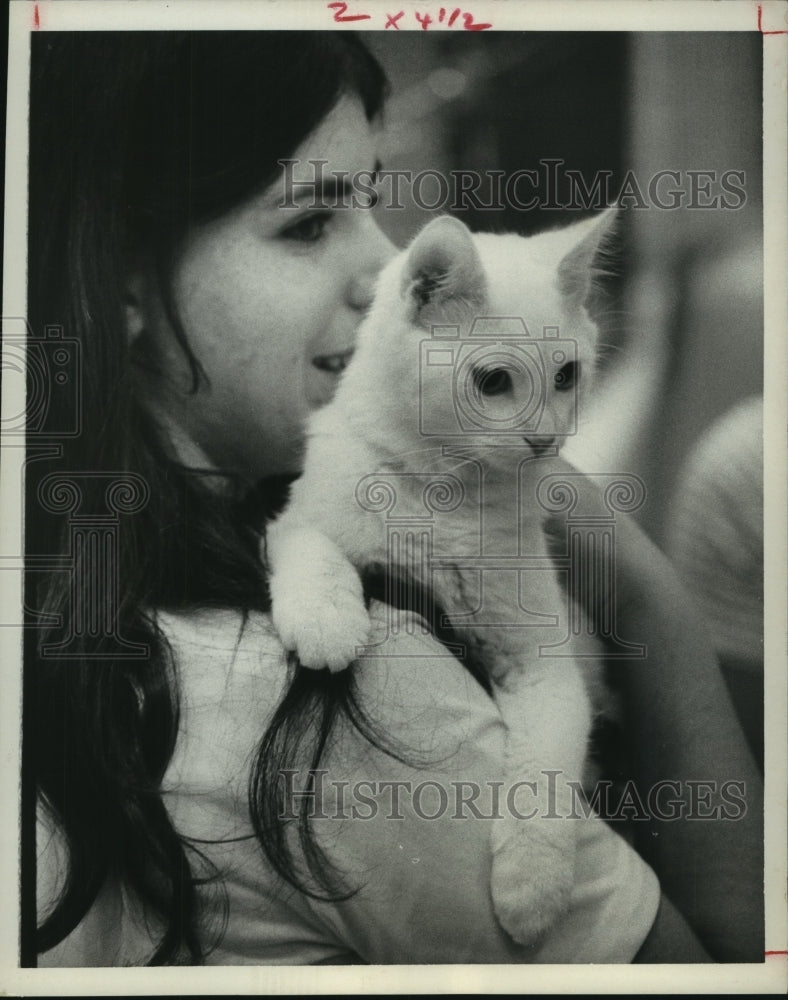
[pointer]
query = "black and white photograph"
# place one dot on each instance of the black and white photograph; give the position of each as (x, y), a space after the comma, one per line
(393, 560)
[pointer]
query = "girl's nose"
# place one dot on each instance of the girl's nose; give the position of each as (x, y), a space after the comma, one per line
(377, 251)
(362, 290)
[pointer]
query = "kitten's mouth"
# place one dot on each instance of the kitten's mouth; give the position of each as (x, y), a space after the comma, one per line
(539, 445)
(333, 363)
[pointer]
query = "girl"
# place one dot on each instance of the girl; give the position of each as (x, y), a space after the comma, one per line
(170, 739)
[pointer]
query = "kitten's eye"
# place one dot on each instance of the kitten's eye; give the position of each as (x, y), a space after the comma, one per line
(491, 381)
(310, 229)
(567, 377)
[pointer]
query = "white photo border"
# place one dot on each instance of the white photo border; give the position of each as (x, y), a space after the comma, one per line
(771, 19)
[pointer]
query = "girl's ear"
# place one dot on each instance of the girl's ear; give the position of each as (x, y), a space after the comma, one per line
(589, 238)
(443, 272)
(134, 299)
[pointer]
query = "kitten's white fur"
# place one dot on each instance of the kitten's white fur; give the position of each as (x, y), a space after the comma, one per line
(375, 424)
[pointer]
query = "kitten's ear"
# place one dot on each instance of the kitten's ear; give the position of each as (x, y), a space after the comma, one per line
(443, 274)
(588, 239)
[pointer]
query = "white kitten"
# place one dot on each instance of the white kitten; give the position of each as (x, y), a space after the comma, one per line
(466, 371)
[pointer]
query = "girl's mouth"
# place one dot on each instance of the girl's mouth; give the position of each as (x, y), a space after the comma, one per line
(333, 363)
(540, 445)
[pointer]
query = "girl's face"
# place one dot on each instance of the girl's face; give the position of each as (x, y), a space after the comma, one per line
(270, 298)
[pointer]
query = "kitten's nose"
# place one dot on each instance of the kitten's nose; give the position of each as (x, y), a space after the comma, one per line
(540, 444)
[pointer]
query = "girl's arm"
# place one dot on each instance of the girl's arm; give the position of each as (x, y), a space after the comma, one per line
(684, 731)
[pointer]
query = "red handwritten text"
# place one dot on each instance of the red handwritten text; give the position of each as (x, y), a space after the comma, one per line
(340, 15)
(463, 18)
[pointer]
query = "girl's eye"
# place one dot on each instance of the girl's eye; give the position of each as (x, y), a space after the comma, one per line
(372, 196)
(310, 229)
(567, 377)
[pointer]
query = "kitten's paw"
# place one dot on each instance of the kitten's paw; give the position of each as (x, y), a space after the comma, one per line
(532, 877)
(324, 630)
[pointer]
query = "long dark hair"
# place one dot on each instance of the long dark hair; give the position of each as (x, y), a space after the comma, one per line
(133, 139)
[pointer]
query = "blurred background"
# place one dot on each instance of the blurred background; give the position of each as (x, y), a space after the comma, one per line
(682, 320)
